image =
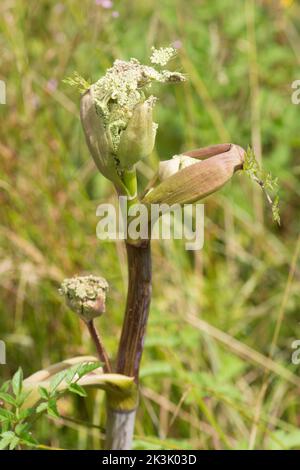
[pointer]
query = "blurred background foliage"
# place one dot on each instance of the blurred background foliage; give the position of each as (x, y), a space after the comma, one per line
(216, 371)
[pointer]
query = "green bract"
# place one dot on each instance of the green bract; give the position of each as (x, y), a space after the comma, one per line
(137, 140)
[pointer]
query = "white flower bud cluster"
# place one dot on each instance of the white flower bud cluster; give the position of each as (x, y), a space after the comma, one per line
(117, 116)
(118, 92)
(162, 55)
(85, 295)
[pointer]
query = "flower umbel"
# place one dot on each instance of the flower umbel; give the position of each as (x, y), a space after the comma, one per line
(116, 113)
(162, 56)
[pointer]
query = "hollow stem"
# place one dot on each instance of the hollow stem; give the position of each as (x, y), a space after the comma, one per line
(102, 354)
(119, 429)
(120, 422)
(121, 419)
(137, 309)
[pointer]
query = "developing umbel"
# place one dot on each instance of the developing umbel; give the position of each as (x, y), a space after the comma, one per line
(116, 114)
(85, 295)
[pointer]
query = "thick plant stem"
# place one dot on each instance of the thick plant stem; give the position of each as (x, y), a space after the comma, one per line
(120, 422)
(119, 429)
(102, 354)
(137, 309)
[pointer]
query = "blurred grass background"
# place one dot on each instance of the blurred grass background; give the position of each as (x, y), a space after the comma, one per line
(216, 371)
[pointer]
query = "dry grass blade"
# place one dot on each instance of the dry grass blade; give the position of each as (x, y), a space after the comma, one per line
(243, 350)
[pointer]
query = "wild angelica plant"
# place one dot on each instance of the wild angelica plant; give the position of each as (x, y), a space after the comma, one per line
(117, 119)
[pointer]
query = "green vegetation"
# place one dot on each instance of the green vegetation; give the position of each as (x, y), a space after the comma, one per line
(265, 181)
(17, 422)
(216, 371)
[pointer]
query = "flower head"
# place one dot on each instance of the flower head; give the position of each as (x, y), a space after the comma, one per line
(162, 56)
(123, 88)
(116, 113)
(85, 295)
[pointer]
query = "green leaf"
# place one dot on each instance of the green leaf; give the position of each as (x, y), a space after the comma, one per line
(17, 382)
(265, 180)
(81, 370)
(87, 367)
(5, 414)
(5, 386)
(57, 380)
(42, 407)
(21, 428)
(78, 390)
(14, 442)
(28, 440)
(24, 414)
(78, 82)
(52, 409)
(275, 210)
(6, 438)
(5, 425)
(71, 374)
(22, 397)
(43, 392)
(7, 398)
